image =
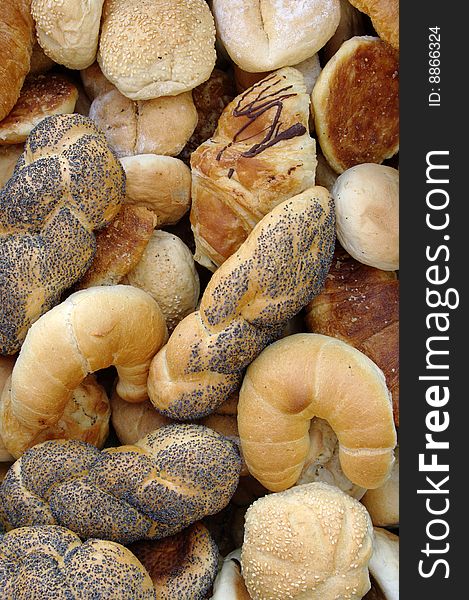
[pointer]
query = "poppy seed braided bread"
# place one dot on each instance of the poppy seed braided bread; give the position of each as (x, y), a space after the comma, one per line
(155, 488)
(66, 184)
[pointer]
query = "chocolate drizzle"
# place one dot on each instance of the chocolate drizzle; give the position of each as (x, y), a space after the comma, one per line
(263, 102)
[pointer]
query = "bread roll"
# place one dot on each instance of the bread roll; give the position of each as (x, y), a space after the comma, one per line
(356, 104)
(94, 82)
(310, 375)
(9, 155)
(6, 367)
(367, 209)
(167, 272)
(312, 541)
(41, 96)
(66, 185)
(360, 306)
(263, 36)
(278, 269)
(260, 155)
(159, 126)
(384, 15)
(172, 477)
(68, 30)
(162, 184)
(181, 566)
(92, 329)
(16, 41)
(40, 62)
(351, 23)
(384, 563)
(51, 561)
(119, 246)
(383, 503)
(229, 584)
(153, 48)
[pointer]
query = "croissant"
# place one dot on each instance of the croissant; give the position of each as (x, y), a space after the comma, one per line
(360, 305)
(92, 329)
(66, 184)
(52, 562)
(245, 306)
(166, 481)
(260, 155)
(308, 375)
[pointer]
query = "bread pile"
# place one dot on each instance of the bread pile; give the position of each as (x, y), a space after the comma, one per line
(199, 299)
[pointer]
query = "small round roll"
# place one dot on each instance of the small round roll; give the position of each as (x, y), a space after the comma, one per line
(181, 566)
(367, 214)
(312, 541)
(383, 503)
(152, 48)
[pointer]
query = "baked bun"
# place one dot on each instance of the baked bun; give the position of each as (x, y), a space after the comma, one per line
(156, 488)
(312, 541)
(153, 48)
(162, 184)
(9, 156)
(6, 367)
(92, 329)
(382, 503)
(49, 561)
(229, 584)
(351, 23)
(40, 62)
(367, 210)
(68, 31)
(360, 306)
(16, 41)
(159, 126)
(67, 184)
(263, 36)
(41, 96)
(119, 246)
(308, 375)
(94, 82)
(384, 15)
(248, 300)
(134, 420)
(167, 272)
(325, 174)
(181, 566)
(356, 104)
(260, 155)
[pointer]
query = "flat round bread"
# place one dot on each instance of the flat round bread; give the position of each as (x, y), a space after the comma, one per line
(40, 97)
(356, 104)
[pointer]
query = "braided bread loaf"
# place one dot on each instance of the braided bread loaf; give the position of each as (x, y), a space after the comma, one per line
(166, 481)
(307, 375)
(277, 270)
(66, 184)
(52, 562)
(94, 328)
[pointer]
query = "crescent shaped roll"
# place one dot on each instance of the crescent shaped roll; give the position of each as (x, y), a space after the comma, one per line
(309, 375)
(92, 329)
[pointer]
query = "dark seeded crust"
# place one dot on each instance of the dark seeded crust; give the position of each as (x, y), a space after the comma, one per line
(169, 480)
(65, 185)
(356, 104)
(277, 271)
(181, 566)
(51, 562)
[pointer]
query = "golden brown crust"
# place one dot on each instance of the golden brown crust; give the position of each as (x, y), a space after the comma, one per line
(40, 62)
(9, 155)
(181, 566)
(260, 155)
(310, 375)
(360, 305)
(41, 96)
(384, 15)
(356, 104)
(16, 41)
(119, 246)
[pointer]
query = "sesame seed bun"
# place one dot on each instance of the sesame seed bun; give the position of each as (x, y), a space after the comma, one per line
(156, 48)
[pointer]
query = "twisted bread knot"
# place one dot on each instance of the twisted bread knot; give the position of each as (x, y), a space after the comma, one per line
(52, 562)
(277, 270)
(168, 480)
(66, 184)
